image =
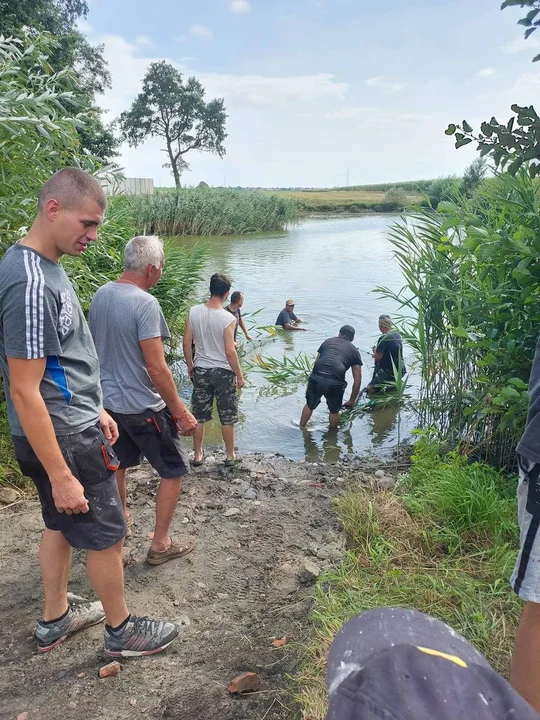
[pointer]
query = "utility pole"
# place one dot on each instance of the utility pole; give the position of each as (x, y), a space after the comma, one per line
(348, 177)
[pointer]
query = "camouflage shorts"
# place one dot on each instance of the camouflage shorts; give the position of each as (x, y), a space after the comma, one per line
(221, 384)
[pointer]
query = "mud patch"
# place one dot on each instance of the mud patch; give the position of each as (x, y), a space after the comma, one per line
(244, 585)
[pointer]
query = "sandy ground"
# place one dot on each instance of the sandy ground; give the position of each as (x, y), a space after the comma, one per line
(245, 584)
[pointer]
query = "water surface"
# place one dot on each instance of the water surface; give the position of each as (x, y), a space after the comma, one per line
(330, 267)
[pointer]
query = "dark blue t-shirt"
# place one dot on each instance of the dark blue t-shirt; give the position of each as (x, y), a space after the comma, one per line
(285, 317)
(336, 356)
(391, 346)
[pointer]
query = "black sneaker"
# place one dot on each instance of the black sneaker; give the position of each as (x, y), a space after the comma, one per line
(140, 636)
(78, 617)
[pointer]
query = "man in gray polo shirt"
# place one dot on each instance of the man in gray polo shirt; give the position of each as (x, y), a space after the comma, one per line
(61, 434)
(138, 388)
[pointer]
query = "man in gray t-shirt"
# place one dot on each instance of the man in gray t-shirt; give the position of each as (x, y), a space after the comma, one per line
(62, 436)
(138, 388)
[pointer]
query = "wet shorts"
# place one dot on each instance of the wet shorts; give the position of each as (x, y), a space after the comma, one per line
(210, 383)
(92, 461)
(153, 435)
(525, 579)
(331, 389)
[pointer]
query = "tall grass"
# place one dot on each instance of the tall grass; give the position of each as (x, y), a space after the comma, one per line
(208, 211)
(424, 548)
(472, 300)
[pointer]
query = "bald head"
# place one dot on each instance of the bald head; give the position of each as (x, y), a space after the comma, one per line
(70, 187)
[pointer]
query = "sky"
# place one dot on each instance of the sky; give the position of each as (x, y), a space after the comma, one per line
(322, 93)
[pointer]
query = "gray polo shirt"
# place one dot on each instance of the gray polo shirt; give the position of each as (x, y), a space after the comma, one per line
(121, 315)
(40, 317)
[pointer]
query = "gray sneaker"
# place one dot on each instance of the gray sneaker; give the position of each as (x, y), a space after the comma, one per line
(140, 636)
(78, 617)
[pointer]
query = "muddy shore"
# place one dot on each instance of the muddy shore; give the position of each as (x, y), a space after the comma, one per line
(264, 531)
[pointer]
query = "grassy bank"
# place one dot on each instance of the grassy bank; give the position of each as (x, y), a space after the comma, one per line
(349, 200)
(212, 211)
(443, 543)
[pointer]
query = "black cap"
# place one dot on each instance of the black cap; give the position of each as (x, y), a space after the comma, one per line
(399, 664)
(347, 331)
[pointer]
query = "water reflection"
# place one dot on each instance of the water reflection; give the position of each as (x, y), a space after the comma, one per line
(331, 268)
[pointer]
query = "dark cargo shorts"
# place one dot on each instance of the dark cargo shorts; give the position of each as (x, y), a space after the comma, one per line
(92, 461)
(332, 390)
(151, 434)
(221, 384)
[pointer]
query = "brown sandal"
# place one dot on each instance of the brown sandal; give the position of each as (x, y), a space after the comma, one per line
(173, 551)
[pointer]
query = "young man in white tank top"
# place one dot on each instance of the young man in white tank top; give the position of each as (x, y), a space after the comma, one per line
(214, 367)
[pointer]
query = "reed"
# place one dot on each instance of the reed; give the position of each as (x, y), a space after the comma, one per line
(212, 211)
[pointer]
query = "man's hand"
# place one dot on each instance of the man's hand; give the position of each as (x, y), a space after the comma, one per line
(349, 404)
(249, 338)
(68, 495)
(108, 427)
(186, 424)
(240, 382)
(190, 372)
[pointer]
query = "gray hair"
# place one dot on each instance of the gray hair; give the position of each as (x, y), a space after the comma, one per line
(142, 251)
(385, 321)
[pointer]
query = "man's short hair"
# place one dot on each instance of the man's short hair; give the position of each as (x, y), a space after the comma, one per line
(236, 296)
(385, 321)
(219, 285)
(347, 331)
(142, 251)
(69, 187)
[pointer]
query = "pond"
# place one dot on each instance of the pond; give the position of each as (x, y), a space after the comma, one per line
(330, 267)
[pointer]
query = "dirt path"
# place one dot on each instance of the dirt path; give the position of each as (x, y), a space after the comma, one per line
(243, 586)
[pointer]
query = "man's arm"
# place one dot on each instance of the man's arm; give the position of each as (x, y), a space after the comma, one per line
(244, 328)
(154, 357)
(187, 345)
(232, 355)
(377, 356)
(25, 380)
(357, 381)
(290, 326)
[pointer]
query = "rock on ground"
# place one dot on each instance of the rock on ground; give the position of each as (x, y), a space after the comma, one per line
(237, 591)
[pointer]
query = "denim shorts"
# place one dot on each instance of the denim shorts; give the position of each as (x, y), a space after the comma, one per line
(525, 579)
(92, 461)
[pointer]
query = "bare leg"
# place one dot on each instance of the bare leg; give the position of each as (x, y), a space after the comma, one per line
(198, 442)
(122, 489)
(55, 563)
(333, 419)
(525, 668)
(167, 497)
(107, 575)
(227, 432)
(306, 416)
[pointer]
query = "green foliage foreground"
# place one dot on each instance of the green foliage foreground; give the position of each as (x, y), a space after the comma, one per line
(212, 211)
(472, 301)
(427, 547)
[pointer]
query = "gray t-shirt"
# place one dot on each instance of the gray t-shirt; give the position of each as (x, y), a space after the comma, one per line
(121, 315)
(40, 317)
(208, 326)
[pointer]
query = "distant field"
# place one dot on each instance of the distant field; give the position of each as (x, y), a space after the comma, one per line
(348, 200)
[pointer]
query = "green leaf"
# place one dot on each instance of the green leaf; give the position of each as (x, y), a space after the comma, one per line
(450, 130)
(460, 332)
(518, 383)
(462, 143)
(467, 127)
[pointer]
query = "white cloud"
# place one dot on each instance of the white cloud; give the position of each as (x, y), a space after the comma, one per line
(520, 44)
(385, 83)
(144, 40)
(83, 26)
(239, 7)
(202, 31)
(265, 91)
(376, 116)
(486, 72)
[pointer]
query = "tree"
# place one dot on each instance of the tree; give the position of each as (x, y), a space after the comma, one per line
(176, 111)
(70, 49)
(516, 142)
